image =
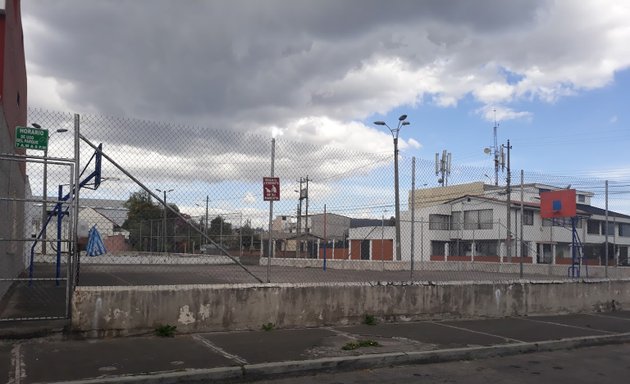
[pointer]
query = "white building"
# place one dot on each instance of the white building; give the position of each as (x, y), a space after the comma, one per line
(468, 222)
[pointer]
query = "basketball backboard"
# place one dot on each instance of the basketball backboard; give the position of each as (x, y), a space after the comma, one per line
(560, 203)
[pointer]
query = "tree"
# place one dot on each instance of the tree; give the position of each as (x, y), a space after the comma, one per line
(220, 229)
(247, 235)
(141, 210)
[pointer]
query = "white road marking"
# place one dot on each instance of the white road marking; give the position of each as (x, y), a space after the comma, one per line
(477, 332)
(219, 350)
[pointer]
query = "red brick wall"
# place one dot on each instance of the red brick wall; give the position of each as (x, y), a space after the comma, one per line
(340, 253)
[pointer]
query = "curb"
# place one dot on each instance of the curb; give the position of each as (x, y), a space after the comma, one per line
(251, 372)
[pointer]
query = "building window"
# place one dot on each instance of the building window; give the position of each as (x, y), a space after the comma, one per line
(456, 220)
(486, 248)
(478, 219)
(438, 248)
(471, 219)
(460, 248)
(624, 230)
(528, 217)
(581, 198)
(592, 227)
(611, 228)
(545, 254)
(485, 219)
(440, 222)
(562, 251)
(524, 249)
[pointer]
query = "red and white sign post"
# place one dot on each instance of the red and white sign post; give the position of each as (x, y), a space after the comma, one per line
(271, 188)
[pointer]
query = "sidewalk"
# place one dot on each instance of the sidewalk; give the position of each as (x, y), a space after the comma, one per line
(250, 355)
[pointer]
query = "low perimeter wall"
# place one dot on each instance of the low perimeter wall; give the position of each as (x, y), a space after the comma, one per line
(104, 311)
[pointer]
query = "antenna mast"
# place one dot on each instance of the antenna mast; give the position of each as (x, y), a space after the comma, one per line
(496, 151)
(443, 167)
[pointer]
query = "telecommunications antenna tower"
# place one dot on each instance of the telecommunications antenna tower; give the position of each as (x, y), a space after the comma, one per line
(443, 167)
(496, 151)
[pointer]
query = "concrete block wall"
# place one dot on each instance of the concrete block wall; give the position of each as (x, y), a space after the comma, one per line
(100, 311)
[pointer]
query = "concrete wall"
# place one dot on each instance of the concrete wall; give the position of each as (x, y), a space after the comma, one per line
(12, 113)
(13, 184)
(99, 311)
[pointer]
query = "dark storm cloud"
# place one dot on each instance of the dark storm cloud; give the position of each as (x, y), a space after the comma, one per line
(206, 68)
(193, 61)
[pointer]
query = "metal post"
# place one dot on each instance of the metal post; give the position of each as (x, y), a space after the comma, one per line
(273, 156)
(59, 235)
(206, 230)
(520, 273)
(151, 239)
(74, 251)
(164, 226)
(606, 236)
(508, 241)
(307, 198)
(397, 199)
(325, 239)
(45, 198)
(413, 213)
(382, 240)
(421, 239)
(240, 235)
(299, 220)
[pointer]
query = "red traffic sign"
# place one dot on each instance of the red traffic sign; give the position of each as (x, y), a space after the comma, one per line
(271, 188)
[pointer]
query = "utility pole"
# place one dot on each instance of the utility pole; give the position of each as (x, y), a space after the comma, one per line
(306, 224)
(206, 231)
(303, 196)
(509, 204)
(299, 212)
(165, 191)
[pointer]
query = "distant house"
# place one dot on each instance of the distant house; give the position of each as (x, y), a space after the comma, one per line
(315, 234)
(107, 215)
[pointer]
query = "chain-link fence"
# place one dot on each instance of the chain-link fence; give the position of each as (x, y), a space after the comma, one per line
(176, 204)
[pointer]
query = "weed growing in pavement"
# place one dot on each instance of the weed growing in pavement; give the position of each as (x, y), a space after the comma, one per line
(360, 343)
(369, 320)
(268, 326)
(166, 330)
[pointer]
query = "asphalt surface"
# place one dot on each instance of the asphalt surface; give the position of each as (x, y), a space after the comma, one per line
(607, 364)
(294, 354)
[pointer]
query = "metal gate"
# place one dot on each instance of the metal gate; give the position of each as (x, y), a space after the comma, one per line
(37, 243)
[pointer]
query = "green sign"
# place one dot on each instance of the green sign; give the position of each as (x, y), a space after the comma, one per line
(31, 138)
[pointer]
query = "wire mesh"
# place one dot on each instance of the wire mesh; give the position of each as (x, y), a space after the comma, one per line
(179, 204)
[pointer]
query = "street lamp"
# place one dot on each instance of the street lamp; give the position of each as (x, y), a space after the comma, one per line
(45, 185)
(402, 120)
(165, 207)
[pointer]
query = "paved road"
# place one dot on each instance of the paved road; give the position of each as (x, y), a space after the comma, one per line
(607, 364)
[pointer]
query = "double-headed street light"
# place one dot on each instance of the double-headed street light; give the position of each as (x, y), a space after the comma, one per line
(45, 184)
(402, 120)
(165, 191)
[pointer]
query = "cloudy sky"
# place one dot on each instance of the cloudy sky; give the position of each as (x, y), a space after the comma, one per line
(554, 74)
